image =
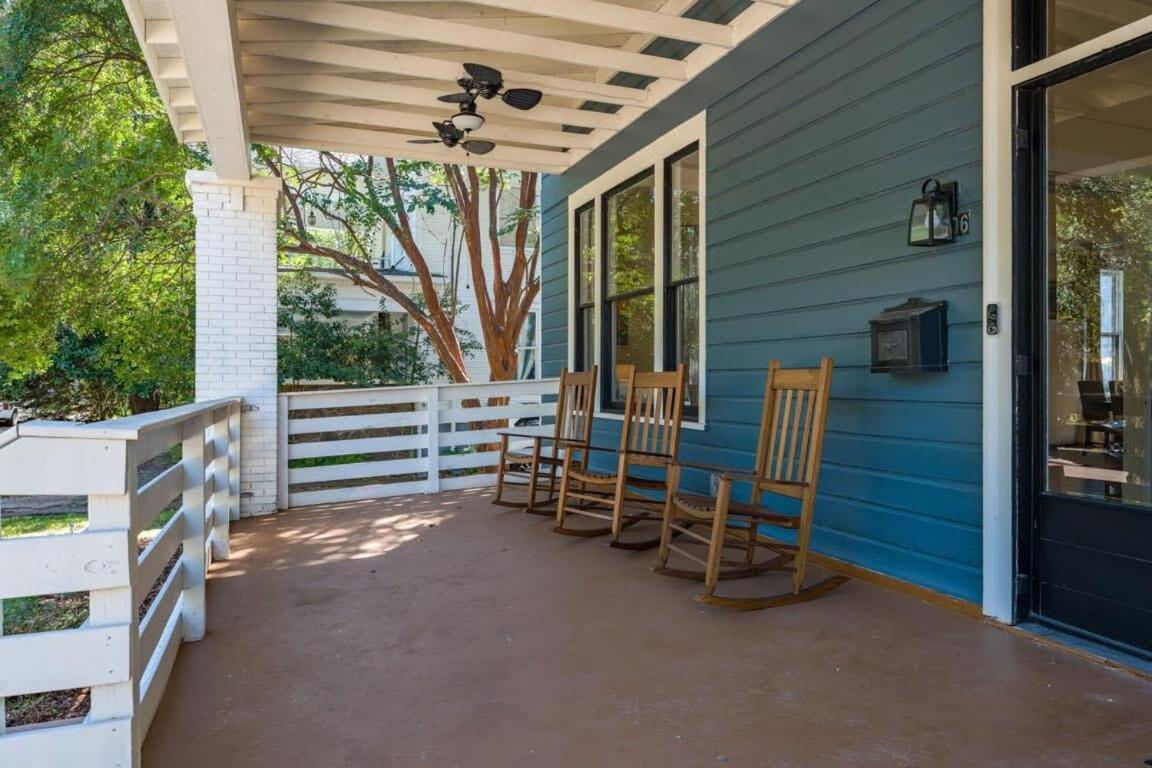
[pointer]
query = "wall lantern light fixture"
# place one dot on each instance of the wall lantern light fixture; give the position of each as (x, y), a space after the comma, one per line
(934, 219)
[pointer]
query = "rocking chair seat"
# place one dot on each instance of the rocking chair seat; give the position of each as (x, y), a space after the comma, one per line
(704, 508)
(591, 477)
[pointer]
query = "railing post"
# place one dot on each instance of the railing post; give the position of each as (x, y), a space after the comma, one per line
(221, 485)
(234, 412)
(282, 453)
(117, 607)
(433, 439)
(192, 508)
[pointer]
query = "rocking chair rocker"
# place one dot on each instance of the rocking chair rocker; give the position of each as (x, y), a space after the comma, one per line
(530, 465)
(787, 465)
(650, 437)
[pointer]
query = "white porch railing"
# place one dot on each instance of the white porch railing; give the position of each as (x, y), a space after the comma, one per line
(123, 657)
(344, 445)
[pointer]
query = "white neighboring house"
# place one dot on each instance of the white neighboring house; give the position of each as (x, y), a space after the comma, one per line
(439, 239)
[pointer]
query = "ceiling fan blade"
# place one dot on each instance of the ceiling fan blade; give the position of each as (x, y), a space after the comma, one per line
(484, 74)
(457, 98)
(478, 146)
(521, 98)
(424, 141)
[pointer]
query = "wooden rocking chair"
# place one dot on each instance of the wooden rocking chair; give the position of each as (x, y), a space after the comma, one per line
(649, 437)
(787, 465)
(573, 428)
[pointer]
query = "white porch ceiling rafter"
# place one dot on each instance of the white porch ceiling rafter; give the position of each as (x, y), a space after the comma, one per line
(364, 76)
(411, 27)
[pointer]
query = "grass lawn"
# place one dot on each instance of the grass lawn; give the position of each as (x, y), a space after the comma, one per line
(41, 525)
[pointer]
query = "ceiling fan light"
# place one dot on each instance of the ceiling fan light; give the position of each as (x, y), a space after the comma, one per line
(468, 121)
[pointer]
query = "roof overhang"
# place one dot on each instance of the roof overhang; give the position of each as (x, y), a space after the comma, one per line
(364, 76)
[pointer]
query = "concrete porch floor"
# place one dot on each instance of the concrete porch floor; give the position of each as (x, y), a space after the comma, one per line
(443, 631)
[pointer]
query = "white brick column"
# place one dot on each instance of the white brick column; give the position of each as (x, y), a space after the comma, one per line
(236, 318)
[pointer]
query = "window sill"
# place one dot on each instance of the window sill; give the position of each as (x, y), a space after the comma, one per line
(698, 425)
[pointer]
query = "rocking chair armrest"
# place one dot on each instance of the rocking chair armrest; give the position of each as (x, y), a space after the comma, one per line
(737, 473)
(537, 435)
(617, 450)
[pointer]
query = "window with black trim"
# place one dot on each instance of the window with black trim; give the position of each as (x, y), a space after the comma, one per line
(628, 226)
(682, 269)
(1047, 27)
(585, 319)
(637, 276)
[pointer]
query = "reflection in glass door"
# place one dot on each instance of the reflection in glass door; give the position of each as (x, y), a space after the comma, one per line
(1092, 537)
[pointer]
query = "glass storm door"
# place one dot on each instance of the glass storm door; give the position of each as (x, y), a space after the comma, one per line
(1089, 213)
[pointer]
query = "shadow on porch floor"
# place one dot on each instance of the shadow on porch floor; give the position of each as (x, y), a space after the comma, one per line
(442, 631)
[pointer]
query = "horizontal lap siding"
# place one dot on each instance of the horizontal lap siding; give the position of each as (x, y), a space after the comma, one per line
(814, 156)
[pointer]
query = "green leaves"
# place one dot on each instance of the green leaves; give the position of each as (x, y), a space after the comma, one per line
(320, 344)
(96, 231)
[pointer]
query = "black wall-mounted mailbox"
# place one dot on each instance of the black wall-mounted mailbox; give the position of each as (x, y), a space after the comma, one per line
(911, 338)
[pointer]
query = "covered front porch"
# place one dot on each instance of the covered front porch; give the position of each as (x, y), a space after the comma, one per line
(441, 630)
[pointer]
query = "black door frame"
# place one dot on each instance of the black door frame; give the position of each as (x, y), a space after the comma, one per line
(1030, 288)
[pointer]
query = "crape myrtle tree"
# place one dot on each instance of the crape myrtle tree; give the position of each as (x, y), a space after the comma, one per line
(358, 193)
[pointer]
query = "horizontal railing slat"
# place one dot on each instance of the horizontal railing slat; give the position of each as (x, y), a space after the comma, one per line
(104, 743)
(470, 460)
(485, 390)
(355, 446)
(156, 441)
(168, 600)
(356, 493)
(301, 401)
(155, 558)
(354, 423)
(357, 470)
(75, 562)
(494, 412)
(155, 495)
(156, 674)
(70, 658)
(467, 481)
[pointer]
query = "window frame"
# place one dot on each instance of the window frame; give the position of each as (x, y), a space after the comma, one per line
(672, 286)
(579, 343)
(605, 316)
(654, 158)
(532, 319)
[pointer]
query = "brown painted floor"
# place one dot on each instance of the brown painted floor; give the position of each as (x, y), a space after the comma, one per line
(441, 631)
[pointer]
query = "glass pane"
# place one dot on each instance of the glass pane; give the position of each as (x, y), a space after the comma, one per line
(527, 348)
(632, 335)
(631, 236)
(586, 339)
(1071, 22)
(687, 311)
(586, 254)
(684, 208)
(1100, 282)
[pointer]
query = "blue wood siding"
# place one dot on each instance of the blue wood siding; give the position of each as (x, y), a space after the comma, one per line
(821, 129)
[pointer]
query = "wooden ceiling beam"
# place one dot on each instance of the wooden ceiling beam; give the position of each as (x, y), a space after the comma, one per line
(399, 93)
(359, 141)
(375, 117)
(424, 67)
(208, 46)
(412, 27)
(265, 30)
(622, 17)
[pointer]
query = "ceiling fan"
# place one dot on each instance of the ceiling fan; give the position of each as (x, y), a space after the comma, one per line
(451, 136)
(486, 83)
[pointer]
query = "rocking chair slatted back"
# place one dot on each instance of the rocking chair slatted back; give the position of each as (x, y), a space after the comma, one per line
(792, 428)
(652, 414)
(575, 404)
